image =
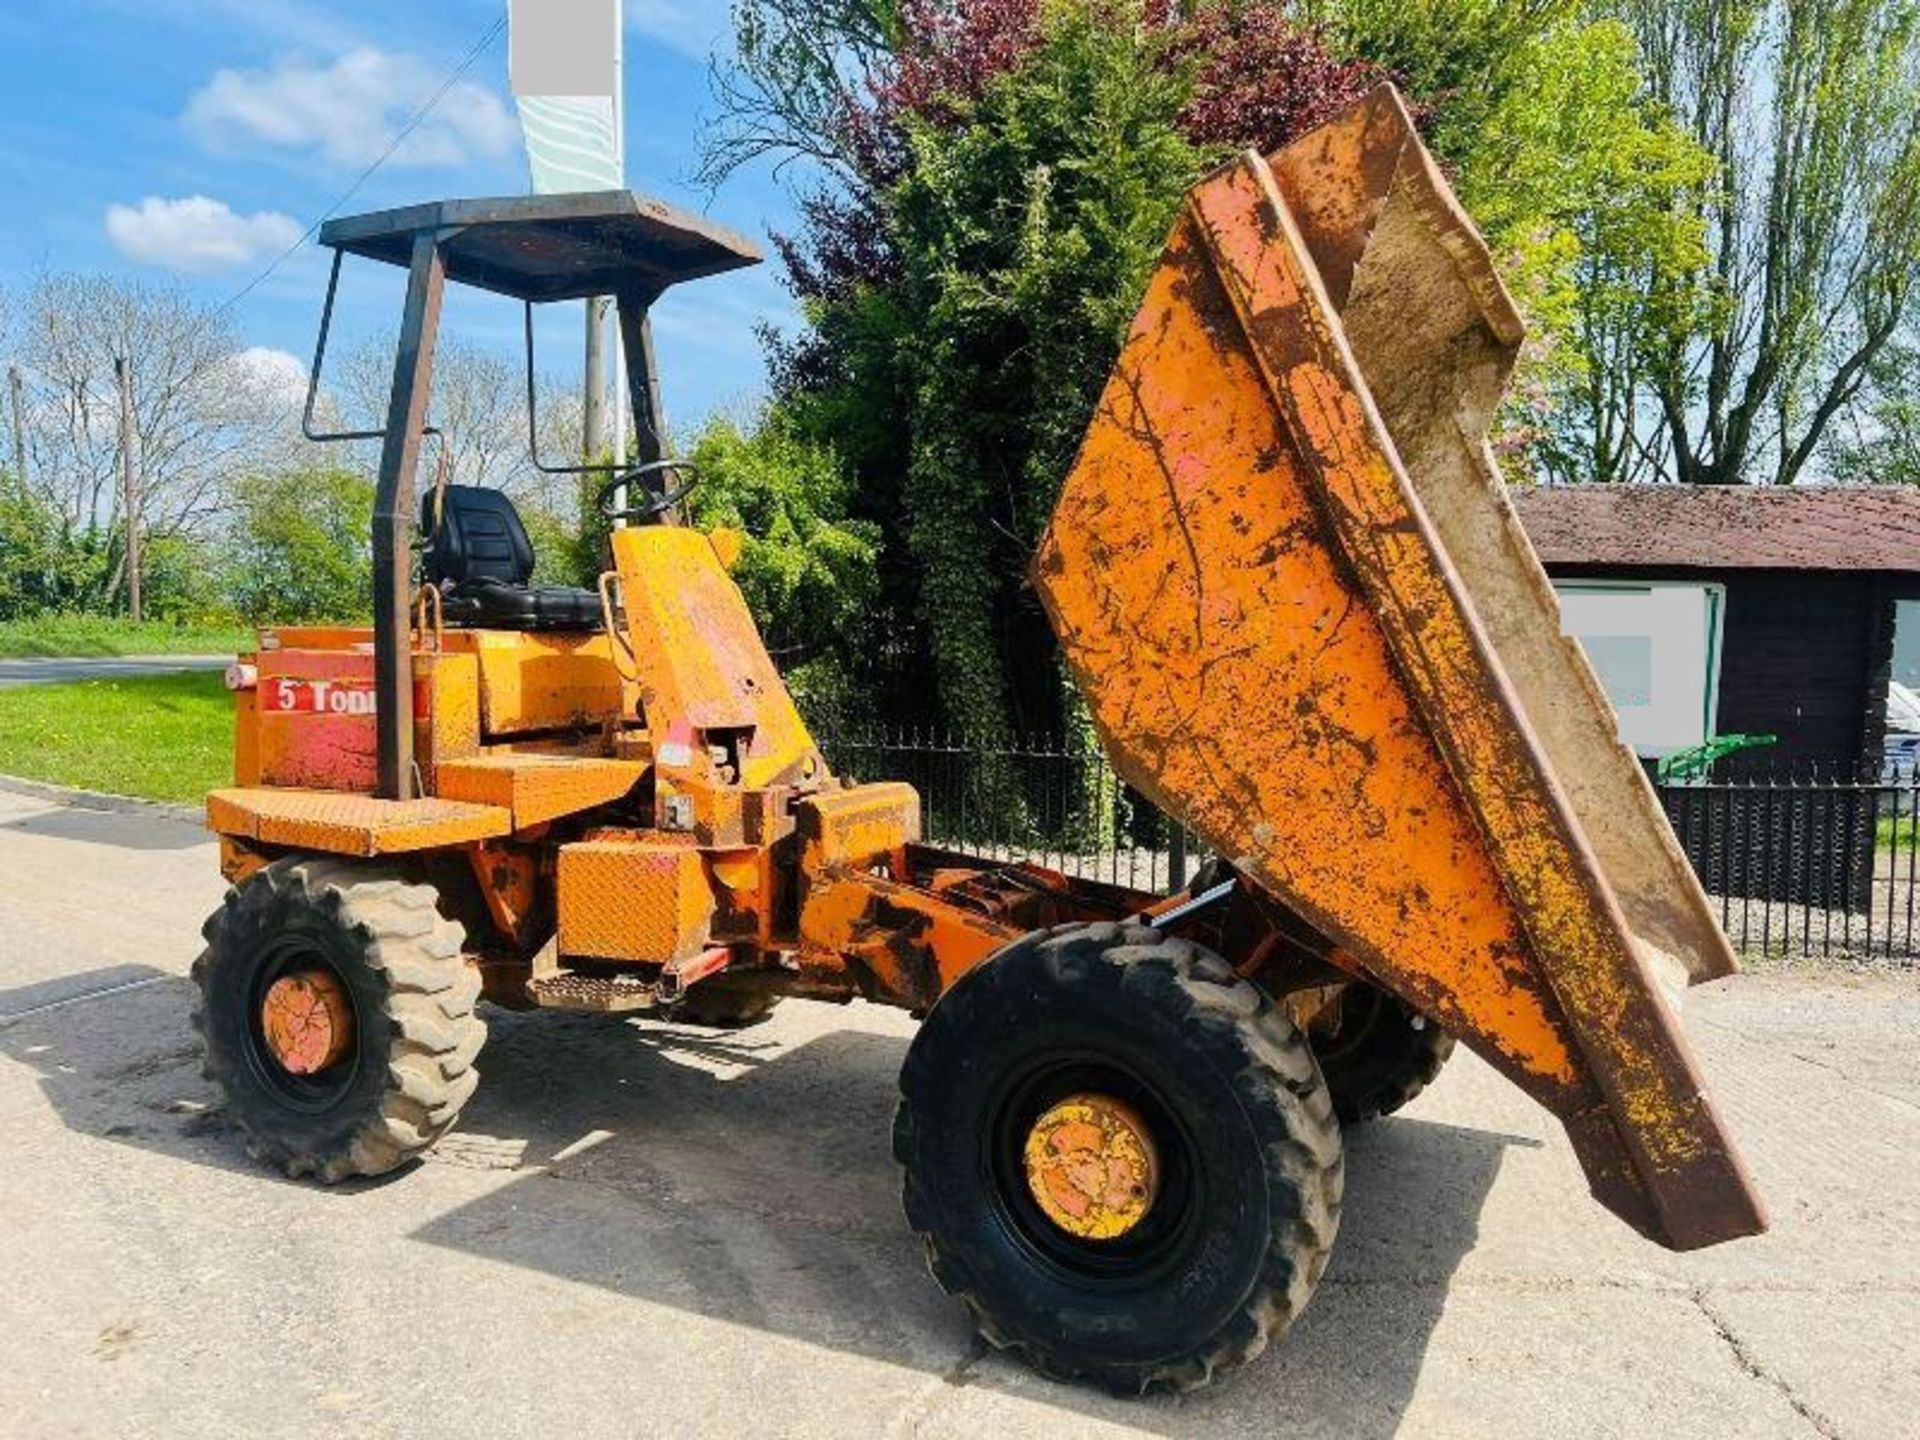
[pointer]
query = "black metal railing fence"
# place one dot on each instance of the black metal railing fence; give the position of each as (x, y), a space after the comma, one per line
(1805, 861)
(1795, 862)
(1028, 799)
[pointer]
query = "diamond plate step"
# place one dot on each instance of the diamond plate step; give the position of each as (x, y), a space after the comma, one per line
(605, 993)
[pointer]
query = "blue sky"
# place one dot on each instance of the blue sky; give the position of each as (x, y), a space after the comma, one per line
(193, 139)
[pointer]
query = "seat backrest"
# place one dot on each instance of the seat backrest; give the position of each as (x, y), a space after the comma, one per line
(479, 537)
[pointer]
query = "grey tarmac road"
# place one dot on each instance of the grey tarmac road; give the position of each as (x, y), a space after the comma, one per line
(646, 1229)
(51, 671)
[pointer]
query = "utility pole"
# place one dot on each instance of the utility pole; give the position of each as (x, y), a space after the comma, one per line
(18, 389)
(620, 163)
(593, 421)
(130, 481)
(620, 431)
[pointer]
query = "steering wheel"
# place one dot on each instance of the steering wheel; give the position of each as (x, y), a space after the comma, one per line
(638, 476)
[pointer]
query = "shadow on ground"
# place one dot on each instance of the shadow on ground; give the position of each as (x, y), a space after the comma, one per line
(129, 829)
(115, 1054)
(747, 1179)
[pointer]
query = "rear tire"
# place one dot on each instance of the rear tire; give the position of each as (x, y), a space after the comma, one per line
(1247, 1181)
(410, 1065)
(1379, 1053)
(720, 1005)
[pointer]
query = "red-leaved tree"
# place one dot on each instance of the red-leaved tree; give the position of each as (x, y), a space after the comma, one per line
(1259, 78)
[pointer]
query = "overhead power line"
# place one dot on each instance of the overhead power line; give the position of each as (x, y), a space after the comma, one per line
(419, 118)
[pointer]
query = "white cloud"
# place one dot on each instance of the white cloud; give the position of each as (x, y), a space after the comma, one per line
(695, 28)
(272, 376)
(197, 235)
(350, 111)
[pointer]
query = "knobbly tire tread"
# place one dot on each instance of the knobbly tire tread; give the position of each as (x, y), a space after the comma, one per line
(1282, 1098)
(415, 995)
(1395, 1061)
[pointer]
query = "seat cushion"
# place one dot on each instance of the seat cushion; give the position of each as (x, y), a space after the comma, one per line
(479, 555)
(491, 605)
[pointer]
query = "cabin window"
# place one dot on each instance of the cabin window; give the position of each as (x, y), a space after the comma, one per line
(1906, 643)
(1656, 650)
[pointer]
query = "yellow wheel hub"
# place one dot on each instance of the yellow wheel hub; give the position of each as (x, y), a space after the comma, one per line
(1092, 1167)
(308, 1021)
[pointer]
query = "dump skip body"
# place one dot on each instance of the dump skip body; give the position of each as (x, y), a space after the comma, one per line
(1288, 582)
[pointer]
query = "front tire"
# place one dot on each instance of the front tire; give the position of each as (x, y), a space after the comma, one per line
(399, 1014)
(1223, 1245)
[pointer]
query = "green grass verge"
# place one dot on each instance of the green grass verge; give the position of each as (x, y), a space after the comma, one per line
(54, 636)
(1900, 834)
(157, 737)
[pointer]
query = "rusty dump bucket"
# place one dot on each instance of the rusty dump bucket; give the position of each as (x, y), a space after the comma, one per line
(1290, 586)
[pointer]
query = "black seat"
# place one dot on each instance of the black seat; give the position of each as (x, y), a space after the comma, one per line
(481, 560)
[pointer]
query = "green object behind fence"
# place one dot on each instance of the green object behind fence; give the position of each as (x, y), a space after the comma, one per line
(1693, 764)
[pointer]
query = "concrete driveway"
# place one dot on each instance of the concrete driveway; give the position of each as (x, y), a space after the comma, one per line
(98, 667)
(648, 1229)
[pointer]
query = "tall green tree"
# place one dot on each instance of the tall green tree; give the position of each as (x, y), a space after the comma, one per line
(1024, 236)
(1575, 172)
(297, 547)
(1878, 441)
(806, 567)
(1811, 110)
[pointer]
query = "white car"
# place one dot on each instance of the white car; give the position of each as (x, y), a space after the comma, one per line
(1903, 732)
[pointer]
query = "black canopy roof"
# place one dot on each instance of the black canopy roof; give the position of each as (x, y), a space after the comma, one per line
(553, 247)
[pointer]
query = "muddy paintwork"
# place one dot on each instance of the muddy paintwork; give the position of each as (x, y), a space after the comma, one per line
(900, 942)
(335, 823)
(634, 896)
(1277, 648)
(1381, 226)
(539, 788)
(720, 714)
(1092, 1167)
(514, 879)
